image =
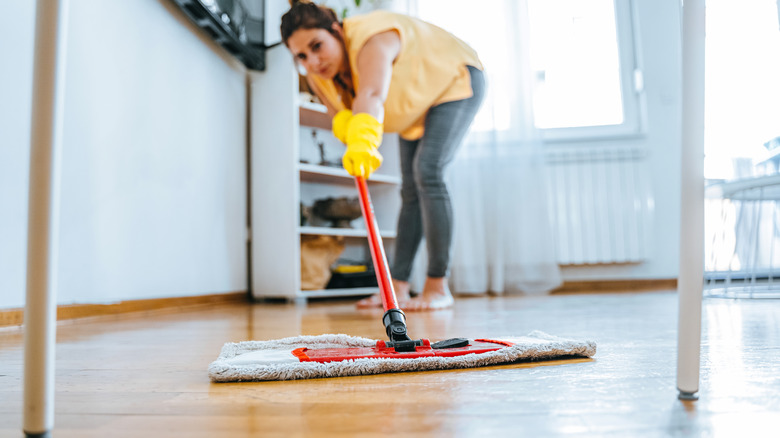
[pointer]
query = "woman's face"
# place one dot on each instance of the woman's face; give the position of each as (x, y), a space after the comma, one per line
(318, 51)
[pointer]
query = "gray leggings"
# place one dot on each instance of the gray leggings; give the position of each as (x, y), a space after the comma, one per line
(426, 208)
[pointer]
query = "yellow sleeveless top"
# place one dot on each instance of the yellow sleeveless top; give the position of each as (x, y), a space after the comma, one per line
(430, 69)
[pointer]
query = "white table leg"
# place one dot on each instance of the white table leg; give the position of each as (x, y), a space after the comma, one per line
(41, 304)
(691, 276)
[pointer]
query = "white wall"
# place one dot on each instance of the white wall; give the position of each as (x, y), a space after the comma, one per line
(659, 40)
(154, 144)
(16, 51)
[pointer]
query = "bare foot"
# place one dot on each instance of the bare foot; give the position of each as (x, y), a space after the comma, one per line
(436, 295)
(401, 293)
(428, 302)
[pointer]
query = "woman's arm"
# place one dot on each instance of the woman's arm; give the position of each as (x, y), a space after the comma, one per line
(364, 128)
(375, 67)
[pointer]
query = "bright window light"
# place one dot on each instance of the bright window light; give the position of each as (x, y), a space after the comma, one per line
(581, 57)
(741, 84)
(576, 63)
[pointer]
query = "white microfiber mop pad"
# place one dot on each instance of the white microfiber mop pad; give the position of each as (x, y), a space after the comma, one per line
(273, 360)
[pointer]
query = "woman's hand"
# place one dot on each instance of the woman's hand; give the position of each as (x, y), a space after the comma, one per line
(364, 135)
(340, 123)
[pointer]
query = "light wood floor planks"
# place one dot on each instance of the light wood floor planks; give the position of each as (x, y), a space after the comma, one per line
(144, 375)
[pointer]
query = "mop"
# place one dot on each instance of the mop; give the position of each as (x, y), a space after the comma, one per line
(339, 355)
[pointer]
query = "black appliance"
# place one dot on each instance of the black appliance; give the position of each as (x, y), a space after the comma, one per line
(236, 25)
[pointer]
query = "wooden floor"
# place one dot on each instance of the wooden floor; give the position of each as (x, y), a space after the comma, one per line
(144, 375)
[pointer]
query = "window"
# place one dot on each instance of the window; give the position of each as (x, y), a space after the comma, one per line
(586, 81)
(585, 75)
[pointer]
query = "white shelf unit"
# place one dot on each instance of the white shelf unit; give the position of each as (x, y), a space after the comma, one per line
(346, 232)
(287, 169)
(315, 172)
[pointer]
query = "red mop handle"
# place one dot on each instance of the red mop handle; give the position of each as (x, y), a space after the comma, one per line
(377, 249)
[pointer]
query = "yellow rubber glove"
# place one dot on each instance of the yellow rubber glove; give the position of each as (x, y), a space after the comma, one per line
(364, 135)
(340, 122)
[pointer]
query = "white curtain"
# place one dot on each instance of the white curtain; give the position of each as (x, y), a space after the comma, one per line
(503, 237)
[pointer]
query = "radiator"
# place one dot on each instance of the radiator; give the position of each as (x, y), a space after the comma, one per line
(600, 205)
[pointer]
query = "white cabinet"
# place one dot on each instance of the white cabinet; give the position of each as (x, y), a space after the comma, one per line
(283, 133)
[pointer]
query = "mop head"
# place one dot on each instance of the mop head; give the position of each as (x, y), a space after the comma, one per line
(295, 358)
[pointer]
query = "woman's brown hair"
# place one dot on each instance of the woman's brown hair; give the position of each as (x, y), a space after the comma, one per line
(304, 14)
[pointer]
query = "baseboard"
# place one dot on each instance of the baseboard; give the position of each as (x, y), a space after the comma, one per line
(638, 285)
(12, 317)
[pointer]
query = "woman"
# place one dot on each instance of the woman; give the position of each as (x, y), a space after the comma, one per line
(388, 72)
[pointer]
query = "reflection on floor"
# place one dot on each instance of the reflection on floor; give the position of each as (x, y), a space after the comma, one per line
(144, 375)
